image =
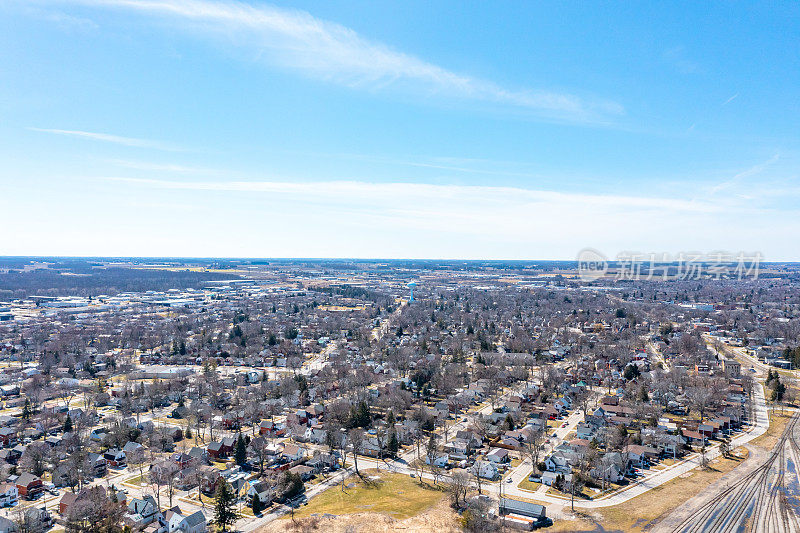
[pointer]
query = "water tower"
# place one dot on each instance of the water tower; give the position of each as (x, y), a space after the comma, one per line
(411, 286)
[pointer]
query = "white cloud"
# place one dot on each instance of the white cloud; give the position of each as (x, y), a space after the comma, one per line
(403, 194)
(105, 137)
(297, 40)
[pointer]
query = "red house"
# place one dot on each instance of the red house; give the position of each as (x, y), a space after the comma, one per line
(29, 486)
(219, 450)
(8, 436)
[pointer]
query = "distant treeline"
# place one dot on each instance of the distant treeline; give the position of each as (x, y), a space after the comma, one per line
(78, 280)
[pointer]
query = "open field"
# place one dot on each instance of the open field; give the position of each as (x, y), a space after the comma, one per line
(437, 519)
(395, 495)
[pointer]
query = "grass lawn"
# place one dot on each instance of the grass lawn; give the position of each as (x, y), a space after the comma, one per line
(641, 512)
(515, 462)
(396, 495)
(585, 494)
(526, 484)
(135, 481)
(220, 465)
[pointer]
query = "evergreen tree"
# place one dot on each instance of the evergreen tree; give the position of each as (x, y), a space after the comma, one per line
(363, 416)
(393, 446)
(256, 505)
(224, 506)
(68, 424)
(241, 451)
(26, 410)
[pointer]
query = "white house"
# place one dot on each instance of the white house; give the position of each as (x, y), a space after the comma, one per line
(261, 490)
(557, 462)
(194, 523)
(316, 435)
(498, 455)
(439, 461)
(177, 522)
(485, 469)
(548, 478)
(8, 494)
(607, 472)
(142, 511)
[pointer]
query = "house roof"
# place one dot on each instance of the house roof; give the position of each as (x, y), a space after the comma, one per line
(523, 508)
(195, 518)
(26, 479)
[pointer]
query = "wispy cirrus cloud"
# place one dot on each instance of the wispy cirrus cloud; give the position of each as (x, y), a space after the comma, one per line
(425, 194)
(109, 138)
(322, 49)
(747, 173)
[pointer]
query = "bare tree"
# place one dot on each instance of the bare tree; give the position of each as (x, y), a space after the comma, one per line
(356, 438)
(533, 446)
(476, 473)
(459, 485)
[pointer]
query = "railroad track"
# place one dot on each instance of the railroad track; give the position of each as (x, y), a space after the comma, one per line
(755, 496)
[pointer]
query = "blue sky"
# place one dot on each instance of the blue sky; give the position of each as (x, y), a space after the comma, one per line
(408, 129)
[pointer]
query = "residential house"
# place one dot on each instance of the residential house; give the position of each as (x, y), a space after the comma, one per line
(38, 519)
(305, 472)
(498, 455)
(98, 434)
(98, 463)
(8, 526)
(485, 469)
(194, 523)
(131, 446)
(293, 452)
(8, 494)
(115, 458)
(142, 511)
(29, 486)
(315, 434)
(8, 436)
(438, 460)
(261, 490)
